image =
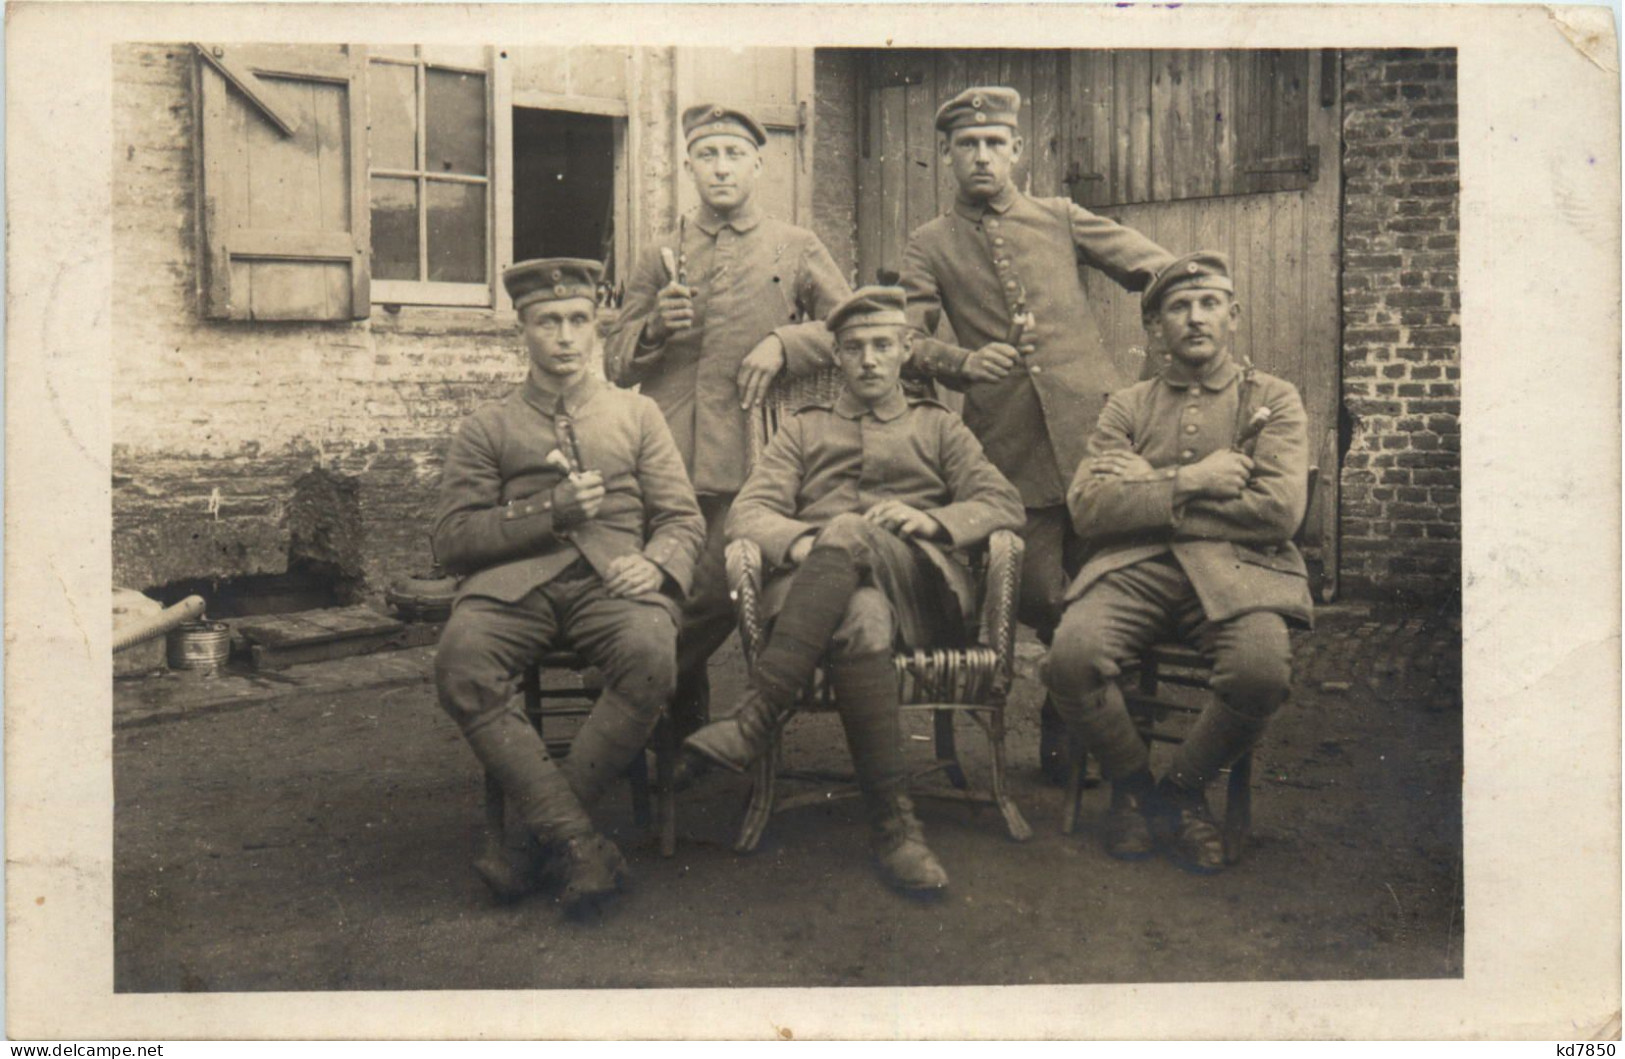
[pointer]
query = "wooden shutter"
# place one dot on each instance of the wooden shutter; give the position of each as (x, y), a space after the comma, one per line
(283, 218)
(1169, 125)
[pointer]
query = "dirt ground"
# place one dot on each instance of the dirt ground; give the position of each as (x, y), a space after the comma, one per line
(321, 840)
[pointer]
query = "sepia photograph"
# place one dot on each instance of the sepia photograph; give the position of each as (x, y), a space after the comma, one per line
(820, 336)
(772, 516)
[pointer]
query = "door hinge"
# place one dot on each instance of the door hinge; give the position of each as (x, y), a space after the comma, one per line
(1308, 164)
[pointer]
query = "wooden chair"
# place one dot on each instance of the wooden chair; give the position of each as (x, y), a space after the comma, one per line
(575, 703)
(973, 681)
(1176, 664)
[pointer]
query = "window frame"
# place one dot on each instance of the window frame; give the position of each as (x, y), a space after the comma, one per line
(619, 113)
(498, 147)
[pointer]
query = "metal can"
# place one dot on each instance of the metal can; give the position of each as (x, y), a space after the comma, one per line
(201, 645)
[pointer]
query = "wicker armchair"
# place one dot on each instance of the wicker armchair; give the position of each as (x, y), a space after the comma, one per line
(973, 680)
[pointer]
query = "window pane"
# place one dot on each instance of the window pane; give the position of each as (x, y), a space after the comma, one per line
(392, 98)
(456, 122)
(394, 229)
(456, 232)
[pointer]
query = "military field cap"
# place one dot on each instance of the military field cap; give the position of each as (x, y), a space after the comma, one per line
(551, 279)
(714, 119)
(869, 305)
(989, 105)
(1207, 269)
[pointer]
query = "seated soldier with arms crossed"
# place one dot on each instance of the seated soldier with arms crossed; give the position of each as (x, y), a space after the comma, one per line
(566, 510)
(858, 502)
(1192, 488)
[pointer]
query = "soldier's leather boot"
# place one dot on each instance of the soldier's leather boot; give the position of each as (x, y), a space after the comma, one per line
(591, 868)
(1128, 832)
(540, 797)
(510, 863)
(899, 845)
(813, 608)
(736, 742)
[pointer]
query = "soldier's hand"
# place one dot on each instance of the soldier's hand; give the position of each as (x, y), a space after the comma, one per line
(990, 363)
(633, 575)
(757, 370)
(1119, 463)
(674, 312)
(799, 550)
(1220, 475)
(578, 498)
(903, 520)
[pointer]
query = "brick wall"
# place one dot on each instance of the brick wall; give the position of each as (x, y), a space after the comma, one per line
(216, 421)
(1401, 506)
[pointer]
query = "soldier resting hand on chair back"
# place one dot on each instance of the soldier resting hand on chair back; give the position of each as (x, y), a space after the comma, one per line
(567, 513)
(858, 502)
(1191, 516)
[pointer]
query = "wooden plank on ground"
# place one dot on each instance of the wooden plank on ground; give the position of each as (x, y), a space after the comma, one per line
(314, 627)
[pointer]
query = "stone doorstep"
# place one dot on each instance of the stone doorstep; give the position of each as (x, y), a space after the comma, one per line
(177, 694)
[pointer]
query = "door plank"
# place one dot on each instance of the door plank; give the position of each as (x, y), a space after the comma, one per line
(1044, 137)
(893, 148)
(920, 175)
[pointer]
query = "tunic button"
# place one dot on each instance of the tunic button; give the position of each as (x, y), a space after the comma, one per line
(1004, 265)
(1190, 428)
(993, 222)
(998, 240)
(1010, 283)
(1193, 388)
(1037, 370)
(1193, 408)
(1187, 454)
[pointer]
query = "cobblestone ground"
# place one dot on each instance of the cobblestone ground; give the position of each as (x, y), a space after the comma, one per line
(314, 831)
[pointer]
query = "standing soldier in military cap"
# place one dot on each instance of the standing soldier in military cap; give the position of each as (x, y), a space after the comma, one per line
(1004, 267)
(1192, 489)
(565, 510)
(713, 312)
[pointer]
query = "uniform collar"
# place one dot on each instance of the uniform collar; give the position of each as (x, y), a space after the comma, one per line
(743, 220)
(1216, 377)
(890, 407)
(542, 394)
(999, 203)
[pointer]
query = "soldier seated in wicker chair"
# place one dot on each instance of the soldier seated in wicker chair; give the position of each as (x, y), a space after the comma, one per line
(858, 502)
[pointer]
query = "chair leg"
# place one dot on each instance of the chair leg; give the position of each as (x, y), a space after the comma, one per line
(947, 753)
(760, 808)
(637, 771)
(1238, 809)
(1019, 829)
(665, 737)
(1074, 791)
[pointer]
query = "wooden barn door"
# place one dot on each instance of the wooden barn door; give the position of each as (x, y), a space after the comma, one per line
(773, 85)
(1236, 151)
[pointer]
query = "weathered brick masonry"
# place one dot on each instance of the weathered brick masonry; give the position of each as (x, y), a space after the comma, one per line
(1401, 505)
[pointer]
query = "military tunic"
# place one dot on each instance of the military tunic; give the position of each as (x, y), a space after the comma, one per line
(840, 459)
(495, 524)
(753, 276)
(1223, 574)
(977, 262)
